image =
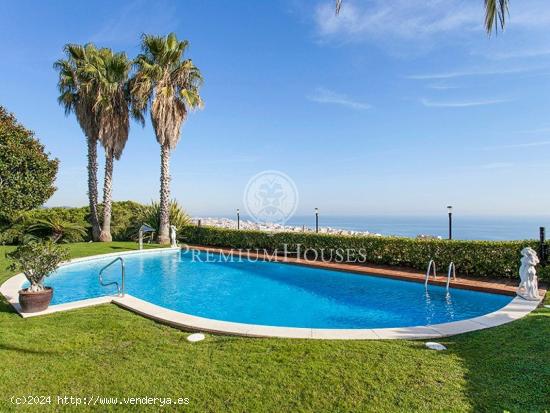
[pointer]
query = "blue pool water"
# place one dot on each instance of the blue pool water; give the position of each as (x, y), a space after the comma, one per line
(273, 294)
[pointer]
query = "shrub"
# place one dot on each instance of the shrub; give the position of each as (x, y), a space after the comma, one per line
(57, 230)
(150, 215)
(125, 218)
(57, 224)
(495, 259)
(37, 260)
(27, 173)
(71, 224)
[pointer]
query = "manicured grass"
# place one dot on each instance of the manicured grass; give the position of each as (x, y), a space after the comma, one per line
(107, 351)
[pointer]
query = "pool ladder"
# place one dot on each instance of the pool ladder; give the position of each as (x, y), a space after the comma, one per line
(431, 268)
(451, 267)
(120, 288)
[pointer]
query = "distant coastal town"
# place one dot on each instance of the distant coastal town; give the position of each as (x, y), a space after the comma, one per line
(246, 224)
(251, 225)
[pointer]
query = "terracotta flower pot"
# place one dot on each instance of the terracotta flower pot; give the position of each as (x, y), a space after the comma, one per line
(32, 302)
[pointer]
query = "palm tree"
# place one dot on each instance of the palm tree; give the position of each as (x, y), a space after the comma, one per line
(105, 78)
(495, 14)
(75, 100)
(168, 85)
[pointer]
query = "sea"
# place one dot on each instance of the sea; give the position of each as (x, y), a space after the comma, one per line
(463, 227)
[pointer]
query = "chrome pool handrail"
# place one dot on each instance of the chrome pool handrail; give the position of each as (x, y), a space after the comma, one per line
(120, 289)
(431, 265)
(451, 267)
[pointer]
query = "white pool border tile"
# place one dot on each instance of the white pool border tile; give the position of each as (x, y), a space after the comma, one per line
(514, 310)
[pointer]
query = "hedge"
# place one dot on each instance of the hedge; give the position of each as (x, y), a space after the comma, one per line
(492, 259)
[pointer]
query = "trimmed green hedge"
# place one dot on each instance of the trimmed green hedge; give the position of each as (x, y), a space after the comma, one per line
(494, 259)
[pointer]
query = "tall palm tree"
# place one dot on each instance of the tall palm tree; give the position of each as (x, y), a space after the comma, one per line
(74, 99)
(496, 12)
(105, 78)
(168, 85)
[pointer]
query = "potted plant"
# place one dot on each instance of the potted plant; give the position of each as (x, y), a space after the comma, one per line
(37, 260)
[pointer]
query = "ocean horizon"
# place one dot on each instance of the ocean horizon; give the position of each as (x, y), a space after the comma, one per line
(499, 228)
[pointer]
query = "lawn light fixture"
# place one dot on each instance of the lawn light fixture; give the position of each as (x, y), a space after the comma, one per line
(316, 219)
(450, 210)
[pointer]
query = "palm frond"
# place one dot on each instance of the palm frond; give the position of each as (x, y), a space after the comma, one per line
(496, 12)
(56, 229)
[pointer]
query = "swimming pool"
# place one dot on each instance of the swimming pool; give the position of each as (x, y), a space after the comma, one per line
(273, 294)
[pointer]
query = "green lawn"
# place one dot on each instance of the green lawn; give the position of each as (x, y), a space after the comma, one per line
(107, 351)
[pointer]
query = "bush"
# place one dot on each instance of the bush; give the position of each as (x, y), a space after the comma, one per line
(58, 224)
(472, 258)
(37, 260)
(71, 224)
(126, 216)
(150, 215)
(27, 174)
(57, 230)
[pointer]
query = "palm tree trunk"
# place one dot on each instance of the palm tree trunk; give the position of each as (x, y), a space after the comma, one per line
(163, 236)
(92, 187)
(105, 235)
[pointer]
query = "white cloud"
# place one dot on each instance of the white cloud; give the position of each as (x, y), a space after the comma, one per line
(404, 19)
(535, 131)
(461, 104)
(471, 72)
(420, 21)
(133, 19)
(533, 14)
(520, 54)
(322, 95)
(497, 165)
(520, 145)
(442, 86)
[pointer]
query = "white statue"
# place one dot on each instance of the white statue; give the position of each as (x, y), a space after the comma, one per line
(528, 286)
(173, 241)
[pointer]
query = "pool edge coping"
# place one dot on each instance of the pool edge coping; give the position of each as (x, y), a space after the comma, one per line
(514, 310)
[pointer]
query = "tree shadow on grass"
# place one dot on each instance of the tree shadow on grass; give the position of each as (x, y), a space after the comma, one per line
(508, 367)
(9, 347)
(5, 307)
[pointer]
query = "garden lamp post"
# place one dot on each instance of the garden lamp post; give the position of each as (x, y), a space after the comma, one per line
(450, 210)
(316, 219)
(543, 248)
(238, 218)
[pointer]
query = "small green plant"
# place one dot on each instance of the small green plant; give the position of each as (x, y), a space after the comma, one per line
(37, 260)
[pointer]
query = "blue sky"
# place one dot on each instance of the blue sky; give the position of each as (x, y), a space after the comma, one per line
(394, 107)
